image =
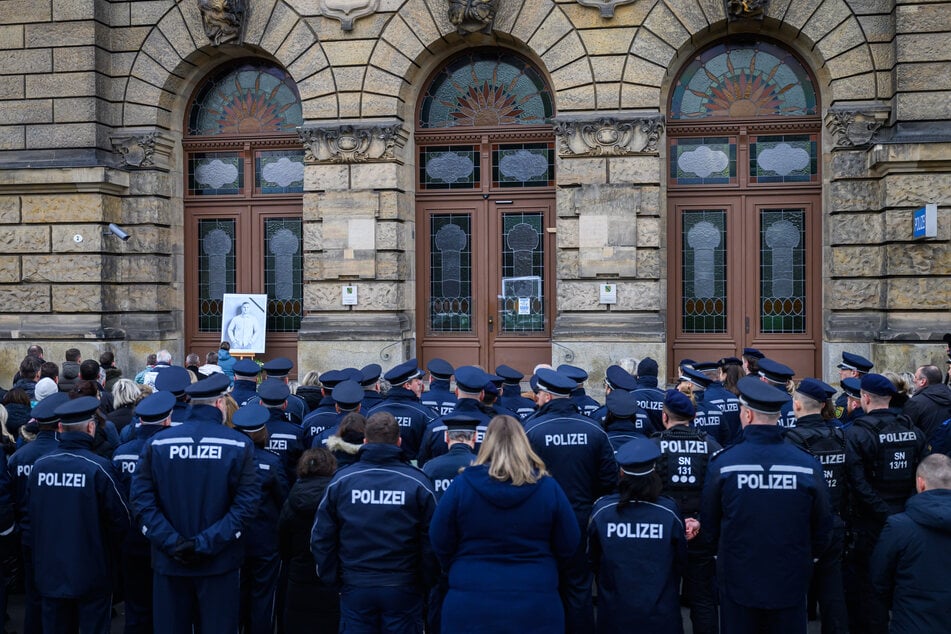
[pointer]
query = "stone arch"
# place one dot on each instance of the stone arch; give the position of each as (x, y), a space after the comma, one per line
(176, 53)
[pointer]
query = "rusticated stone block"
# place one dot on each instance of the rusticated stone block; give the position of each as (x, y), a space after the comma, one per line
(388, 235)
(607, 68)
(25, 239)
(396, 206)
(81, 298)
(378, 176)
(385, 106)
(62, 33)
(856, 228)
(648, 46)
(644, 72)
(391, 266)
(12, 137)
(555, 27)
(666, 26)
(577, 73)
(32, 60)
(635, 169)
(566, 51)
(581, 171)
(69, 207)
(326, 177)
(607, 41)
(923, 106)
(9, 209)
(371, 296)
(417, 16)
(30, 111)
(61, 135)
(920, 258)
(855, 195)
(689, 13)
(25, 298)
(848, 165)
(912, 190)
(648, 264)
(856, 87)
(335, 205)
(860, 261)
(580, 98)
(918, 293)
(313, 237)
(84, 267)
(63, 239)
(146, 209)
(566, 235)
(136, 297)
(568, 265)
(627, 15)
(282, 22)
(855, 294)
(9, 269)
(842, 38)
(636, 97)
(924, 76)
(648, 232)
(149, 11)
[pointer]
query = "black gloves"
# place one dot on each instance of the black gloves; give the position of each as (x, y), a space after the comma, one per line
(184, 553)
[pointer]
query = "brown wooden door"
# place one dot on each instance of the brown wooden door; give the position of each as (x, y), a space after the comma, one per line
(486, 280)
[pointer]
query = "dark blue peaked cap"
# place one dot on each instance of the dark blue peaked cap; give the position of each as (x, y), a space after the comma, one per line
(775, 371)
(440, 369)
(637, 456)
(347, 394)
(555, 382)
(878, 385)
(251, 417)
(78, 410)
(695, 376)
(573, 372)
(619, 379)
(273, 392)
(155, 407)
(173, 379)
(246, 367)
(460, 422)
(278, 368)
(852, 361)
(852, 387)
(370, 374)
(815, 389)
(471, 379)
(330, 378)
(760, 396)
(509, 374)
(45, 411)
(215, 385)
(406, 371)
(679, 404)
(621, 404)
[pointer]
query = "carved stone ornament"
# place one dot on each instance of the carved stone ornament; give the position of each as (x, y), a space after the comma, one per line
(746, 9)
(855, 125)
(609, 136)
(135, 151)
(346, 11)
(351, 143)
(470, 16)
(224, 20)
(605, 6)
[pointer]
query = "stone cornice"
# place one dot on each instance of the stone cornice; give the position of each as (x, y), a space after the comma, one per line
(353, 142)
(617, 135)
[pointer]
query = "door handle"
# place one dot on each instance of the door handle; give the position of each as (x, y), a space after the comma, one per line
(491, 324)
(747, 325)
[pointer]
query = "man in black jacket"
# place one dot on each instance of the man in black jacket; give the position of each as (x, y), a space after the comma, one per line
(931, 404)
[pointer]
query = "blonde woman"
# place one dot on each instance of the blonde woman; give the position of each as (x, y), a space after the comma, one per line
(499, 531)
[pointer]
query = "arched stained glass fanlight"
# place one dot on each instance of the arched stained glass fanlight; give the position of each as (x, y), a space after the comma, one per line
(743, 80)
(486, 88)
(252, 97)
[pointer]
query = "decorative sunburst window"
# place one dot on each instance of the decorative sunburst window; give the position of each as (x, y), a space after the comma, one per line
(483, 88)
(743, 80)
(250, 98)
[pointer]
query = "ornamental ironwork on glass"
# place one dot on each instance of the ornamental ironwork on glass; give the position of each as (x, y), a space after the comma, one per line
(450, 304)
(703, 161)
(449, 167)
(215, 173)
(216, 270)
(279, 171)
(251, 97)
(790, 158)
(523, 165)
(486, 88)
(283, 273)
(743, 80)
(783, 270)
(522, 305)
(704, 271)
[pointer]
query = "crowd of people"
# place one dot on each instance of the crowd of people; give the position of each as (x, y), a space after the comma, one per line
(227, 497)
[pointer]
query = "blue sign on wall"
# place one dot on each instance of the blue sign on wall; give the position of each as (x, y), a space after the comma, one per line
(926, 221)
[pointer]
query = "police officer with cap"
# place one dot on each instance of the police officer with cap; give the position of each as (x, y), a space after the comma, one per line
(295, 408)
(580, 457)
(284, 438)
(585, 404)
(685, 453)
(460, 438)
(154, 413)
(470, 384)
(624, 419)
(826, 441)
(853, 366)
(616, 378)
(637, 546)
(348, 398)
(439, 397)
(766, 507)
(751, 358)
(194, 492)
(852, 390)
(325, 414)
(648, 396)
(75, 564)
(779, 376)
(262, 564)
(511, 397)
(174, 380)
(709, 418)
(370, 382)
(402, 400)
(245, 388)
(723, 399)
(883, 450)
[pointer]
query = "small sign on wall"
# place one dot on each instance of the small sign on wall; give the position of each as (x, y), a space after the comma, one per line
(926, 221)
(348, 295)
(607, 293)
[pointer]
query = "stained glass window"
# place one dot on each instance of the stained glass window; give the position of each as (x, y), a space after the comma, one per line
(703, 161)
(279, 171)
(743, 80)
(523, 165)
(486, 88)
(449, 167)
(215, 173)
(251, 97)
(283, 273)
(216, 270)
(704, 271)
(522, 305)
(789, 158)
(450, 303)
(783, 270)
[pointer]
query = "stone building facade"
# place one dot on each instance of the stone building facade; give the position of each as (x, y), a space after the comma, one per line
(98, 125)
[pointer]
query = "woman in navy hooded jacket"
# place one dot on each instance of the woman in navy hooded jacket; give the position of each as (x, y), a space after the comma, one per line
(499, 530)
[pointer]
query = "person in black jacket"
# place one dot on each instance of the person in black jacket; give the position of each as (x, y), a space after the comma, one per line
(309, 604)
(931, 404)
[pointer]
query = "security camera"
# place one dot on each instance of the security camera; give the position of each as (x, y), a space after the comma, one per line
(117, 231)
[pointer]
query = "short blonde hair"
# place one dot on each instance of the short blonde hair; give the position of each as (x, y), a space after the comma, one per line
(125, 392)
(510, 457)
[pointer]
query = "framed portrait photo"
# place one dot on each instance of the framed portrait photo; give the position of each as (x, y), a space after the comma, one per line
(244, 322)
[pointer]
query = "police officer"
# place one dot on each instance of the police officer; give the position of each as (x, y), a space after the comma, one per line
(439, 397)
(348, 399)
(371, 536)
(624, 419)
(370, 382)
(579, 456)
(460, 438)
(725, 400)
(585, 404)
(245, 381)
(470, 383)
(751, 358)
(826, 441)
(685, 453)
(779, 376)
(708, 418)
(491, 398)
(853, 366)
(648, 396)
(637, 546)
(884, 449)
(75, 563)
(154, 413)
(284, 438)
(617, 378)
(852, 390)
(194, 492)
(262, 564)
(295, 408)
(174, 380)
(325, 414)
(402, 400)
(766, 506)
(511, 396)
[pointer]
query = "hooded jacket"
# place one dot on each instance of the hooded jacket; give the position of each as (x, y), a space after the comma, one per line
(910, 564)
(68, 376)
(345, 452)
(929, 408)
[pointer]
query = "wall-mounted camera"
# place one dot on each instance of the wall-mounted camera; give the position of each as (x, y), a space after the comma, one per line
(117, 231)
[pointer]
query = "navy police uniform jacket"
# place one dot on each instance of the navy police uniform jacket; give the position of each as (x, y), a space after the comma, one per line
(196, 481)
(577, 453)
(512, 399)
(411, 415)
(244, 391)
(585, 404)
(766, 507)
(262, 535)
(319, 419)
(623, 430)
(434, 440)
(709, 418)
(682, 467)
(19, 467)
(124, 461)
(638, 554)
(650, 399)
(285, 440)
(826, 441)
(294, 412)
(439, 398)
(443, 469)
(727, 402)
(75, 485)
(372, 527)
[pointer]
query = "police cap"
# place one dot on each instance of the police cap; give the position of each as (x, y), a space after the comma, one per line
(573, 372)
(775, 371)
(471, 379)
(815, 389)
(440, 369)
(706, 366)
(855, 362)
(155, 407)
(725, 361)
(510, 375)
(347, 395)
(647, 367)
(251, 417)
(852, 387)
(618, 378)
(406, 371)
(621, 404)
(352, 374)
(246, 368)
(555, 382)
(173, 379)
(370, 374)
(637, 456)
(759, 396)
(215, 385)
(330, 378)
(278, 368)
(533, 383)
(490, 388)
(696, 377)
(878, 385)
(686, 363)
(273, 391)
(460, 422)
(754, 353)
(679, 404)
(77, 410)
(45, 411)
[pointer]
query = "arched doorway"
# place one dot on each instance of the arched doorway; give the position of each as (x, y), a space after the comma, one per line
(243, 183)
(484, 210)
(744, 205)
